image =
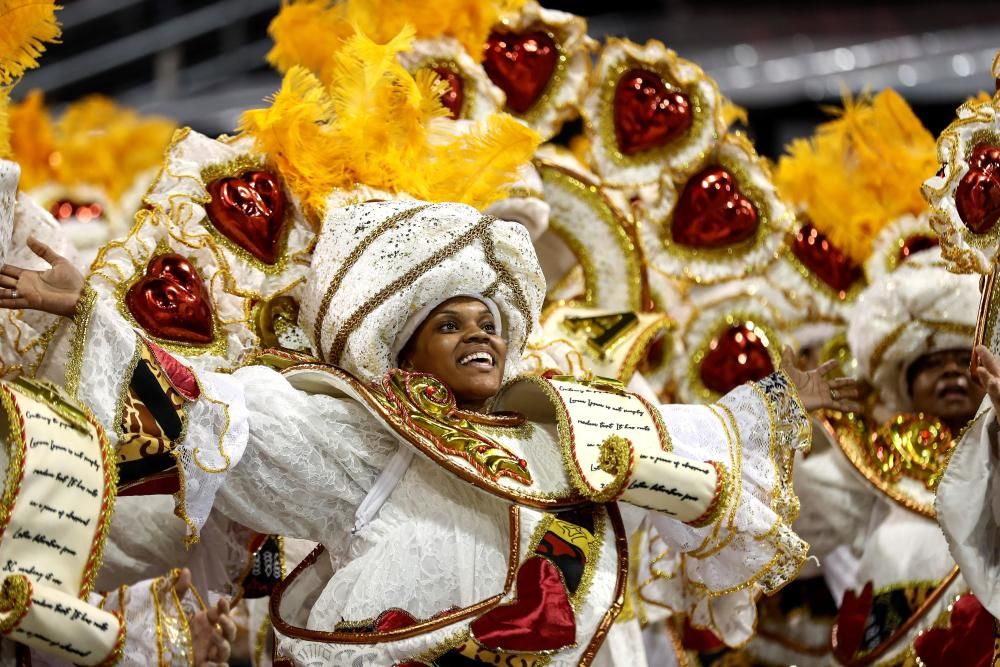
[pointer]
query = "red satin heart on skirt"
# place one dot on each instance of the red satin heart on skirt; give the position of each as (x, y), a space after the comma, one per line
(737, 356)
(968, 640)
(249, 210)
(978, 195)
(521, 66)
(712, 212)
(539, 619)
(646, 114)
(170, 301)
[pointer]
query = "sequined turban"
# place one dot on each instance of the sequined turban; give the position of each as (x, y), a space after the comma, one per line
(918, 309)
(377, 265)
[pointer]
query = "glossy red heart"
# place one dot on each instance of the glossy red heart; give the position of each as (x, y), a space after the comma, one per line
(852, 619)
(712, 212)
(968, 640)
(521, 66)
(66, 209)
(170, 301)
(454, 97)
(916, 243)
(539, 619)
(249, 210)
(978, 195)
(736, 356)
(830, 265)
(646, 114)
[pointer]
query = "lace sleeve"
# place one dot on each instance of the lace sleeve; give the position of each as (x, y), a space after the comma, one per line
(309, 463)
(716, 572)
(157, 406)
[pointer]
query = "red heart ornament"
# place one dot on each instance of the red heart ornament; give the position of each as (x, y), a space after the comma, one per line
(539, 619)
(823, 258)
(967, 641)
(249, 210)
(170, 301)
(916, 243)
(646, 114)
(978, 195)
(852, 618)
(66, 209)
(712, 212)
(735, 357)
(521, 66)
(454, 97)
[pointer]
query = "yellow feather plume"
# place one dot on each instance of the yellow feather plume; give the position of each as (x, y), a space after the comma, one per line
(5, 152)
(32, 140)
(95, 142)
(309, 32)
(733, 113)
(27, 26)
(860, 171)
(378, 125)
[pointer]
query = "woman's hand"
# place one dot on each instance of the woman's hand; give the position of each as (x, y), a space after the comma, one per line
(56, 290)
(816, 390)
(988, 374)
(212, 629)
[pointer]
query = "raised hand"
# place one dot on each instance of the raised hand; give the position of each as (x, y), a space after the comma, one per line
(56, 290)
(212, 629)
(817, 390)
(988, 374)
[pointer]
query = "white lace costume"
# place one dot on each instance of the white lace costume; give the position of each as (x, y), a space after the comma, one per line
(281, 460)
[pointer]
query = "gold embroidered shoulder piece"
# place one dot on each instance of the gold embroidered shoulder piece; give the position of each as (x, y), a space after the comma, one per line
(902, 458)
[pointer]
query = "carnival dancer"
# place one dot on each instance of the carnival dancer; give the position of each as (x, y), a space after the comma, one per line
(911, 333)
(459, 551)
(962, 195)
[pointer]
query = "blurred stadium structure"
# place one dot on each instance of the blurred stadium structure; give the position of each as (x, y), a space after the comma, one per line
(203, 62)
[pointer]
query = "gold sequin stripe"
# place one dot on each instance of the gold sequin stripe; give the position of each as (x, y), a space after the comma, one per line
(503, 276)
(719, 499)
(17, 449)
(351, 260)
(354, 320)
(96, 557)
(81, 323)
(15, 599)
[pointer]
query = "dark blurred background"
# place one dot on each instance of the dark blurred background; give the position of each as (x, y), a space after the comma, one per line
(202, 63)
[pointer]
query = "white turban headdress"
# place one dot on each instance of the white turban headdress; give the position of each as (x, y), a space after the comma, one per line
(379, 266)
(918, 309)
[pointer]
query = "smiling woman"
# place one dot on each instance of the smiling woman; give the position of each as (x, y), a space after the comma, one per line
(460, 344)
(446, 519)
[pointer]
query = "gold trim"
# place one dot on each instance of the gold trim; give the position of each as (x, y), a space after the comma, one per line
(369, 396)
(350, 261)
(852, 435)
(15, 600)
(617, 223)
(17, 448)
(81, 323)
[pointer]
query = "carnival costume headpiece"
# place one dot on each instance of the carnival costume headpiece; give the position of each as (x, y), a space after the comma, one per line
(919, 309)
(377, 265)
